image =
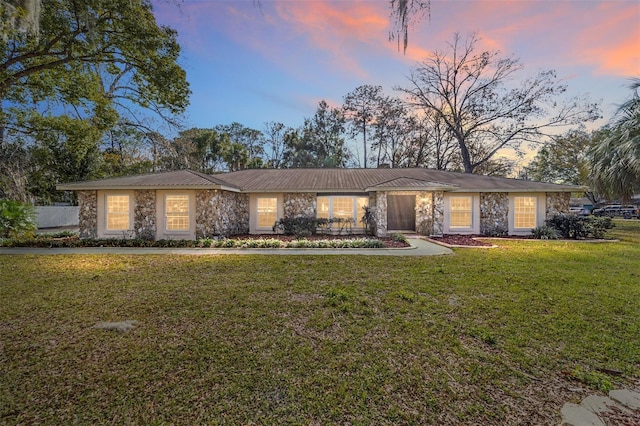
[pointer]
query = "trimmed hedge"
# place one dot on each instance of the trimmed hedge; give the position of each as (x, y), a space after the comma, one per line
(580, 227)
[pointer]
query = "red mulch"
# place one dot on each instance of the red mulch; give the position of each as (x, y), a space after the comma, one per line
(388, 242)
(461, 240)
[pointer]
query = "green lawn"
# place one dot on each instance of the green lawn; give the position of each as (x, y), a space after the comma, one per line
(494, 336)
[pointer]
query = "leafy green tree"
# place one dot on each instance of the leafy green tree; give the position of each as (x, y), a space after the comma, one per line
(251, 139)
(320, 141)
(16, 219)
(616, 158)
(67, 65)
(298, 151)
(472, 94)
(564, 159)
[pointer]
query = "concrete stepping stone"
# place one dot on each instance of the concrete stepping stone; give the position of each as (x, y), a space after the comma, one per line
(601, 404)
(577, 415)
(628, 398)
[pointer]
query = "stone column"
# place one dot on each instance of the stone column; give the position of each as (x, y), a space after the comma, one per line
(381, 214)
(144, 214)
(557, 202)
(494, 213)
(438, 213)
(424, 213)
(299, 204)
(88, 212)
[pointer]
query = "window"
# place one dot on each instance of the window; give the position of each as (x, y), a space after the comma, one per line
(267, 212)
(177, 212)
(342, 207)
(460, 212)
(524, 212)
(117, 212)
(323, 208)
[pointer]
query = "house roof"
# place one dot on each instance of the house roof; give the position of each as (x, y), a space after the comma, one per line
(364, 180)
(179, 179)
(323, 180)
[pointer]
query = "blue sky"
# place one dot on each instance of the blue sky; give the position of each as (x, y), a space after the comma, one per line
(276, 61)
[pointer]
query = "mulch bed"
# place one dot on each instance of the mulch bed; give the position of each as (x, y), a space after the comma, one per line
(388, 242)
(461, 240)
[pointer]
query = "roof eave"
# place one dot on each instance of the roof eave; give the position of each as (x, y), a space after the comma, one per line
(74, 187)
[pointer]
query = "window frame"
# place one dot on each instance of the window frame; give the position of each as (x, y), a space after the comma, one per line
(468, 226)
(129, 213)
(355, 206)
(275, 212)
(516, 213)
(186, 214)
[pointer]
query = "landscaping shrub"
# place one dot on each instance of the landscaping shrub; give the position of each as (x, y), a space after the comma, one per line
(399, 237)
(368, 219)
(579, 227)
(300, 227)
(16, 219)
(544, 233)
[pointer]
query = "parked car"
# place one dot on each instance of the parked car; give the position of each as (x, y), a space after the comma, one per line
(617, 210)
(579, 211)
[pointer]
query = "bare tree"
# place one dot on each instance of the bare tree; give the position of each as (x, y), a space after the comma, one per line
(478, 101)
(274, 140)
(361, 107)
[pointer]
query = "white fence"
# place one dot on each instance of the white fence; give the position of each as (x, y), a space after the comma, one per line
(57, 216)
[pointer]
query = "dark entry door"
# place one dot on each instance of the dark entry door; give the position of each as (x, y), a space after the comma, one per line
(401, 213)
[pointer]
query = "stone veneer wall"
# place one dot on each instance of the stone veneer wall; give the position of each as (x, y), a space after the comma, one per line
(144, 214)
(557, 202)
(299, 204)
(88, 220)
(221, 213)
(438, 213)
(494, 213)
(381, 213)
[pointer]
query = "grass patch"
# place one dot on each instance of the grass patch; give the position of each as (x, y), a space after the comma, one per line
(481, 337)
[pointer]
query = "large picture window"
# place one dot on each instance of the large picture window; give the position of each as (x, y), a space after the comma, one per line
(118, 213)
(460, 212)
(177, 212)
(267, 211)
(342, 207)
(524, 212)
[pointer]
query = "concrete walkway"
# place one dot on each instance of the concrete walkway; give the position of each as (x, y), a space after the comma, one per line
(419, 247)
(622, 406)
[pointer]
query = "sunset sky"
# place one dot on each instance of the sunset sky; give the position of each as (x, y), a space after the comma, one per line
(276, 60)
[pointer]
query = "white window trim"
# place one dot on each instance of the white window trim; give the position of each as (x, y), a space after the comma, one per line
(103, 232)
(540, 211)
(161, 216)
(357, 215)
(253, 212)
(165, 217)
(267, 197)
(475, 214)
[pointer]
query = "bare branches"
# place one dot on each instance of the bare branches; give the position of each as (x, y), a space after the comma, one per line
(476, 96)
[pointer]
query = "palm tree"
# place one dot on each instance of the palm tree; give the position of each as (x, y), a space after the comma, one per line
(616, 159)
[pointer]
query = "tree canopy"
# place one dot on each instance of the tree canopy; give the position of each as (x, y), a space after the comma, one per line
(71, 70)
(474, 95)
(616, 158)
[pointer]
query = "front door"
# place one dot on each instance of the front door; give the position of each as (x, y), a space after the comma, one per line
(401, 212)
